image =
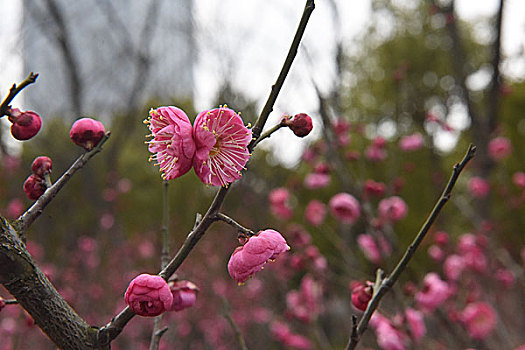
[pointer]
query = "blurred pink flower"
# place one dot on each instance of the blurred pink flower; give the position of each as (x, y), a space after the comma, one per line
(87, 132)
(434, 293)
(279, 204)
(345, 208)
(361, 294)
(472, 252)
(282, 333)
(436, 253)
(315, 212)
(505, 277)
(453, 267)
(411, 142)
(184, 294)
(519, 179)
(222, 146)
(375, 154)
(416, 323)
(305, 303)
(499, 148)
(478, 187)
(480, 319)
(15, 208)
(250, 258)
(148, 295)
(392, 209)
(172, 145)
(373, 188)
(388, 338)
(316, 180)
(369, 247)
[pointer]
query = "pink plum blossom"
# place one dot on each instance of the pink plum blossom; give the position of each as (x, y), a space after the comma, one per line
(148, 295)
(87, 132)
(316, 180)
(436, 253)
(434, 293)
(361, 294)
(222, 146)
(392, 209)
(373, 188)
(453, 267)
(519, 179)
(416, 324)
(250, 258)
(478, 187)
(480, 319)
(499, 148)
(388, 337)
(345, 208)
(375, 154)
(411, 142)
(279, 203)
(305, 303)
(184, 294)
(172, 145)
(25, 124)
(282, 333)
(370, 248)
(505, 277)
(315, 212)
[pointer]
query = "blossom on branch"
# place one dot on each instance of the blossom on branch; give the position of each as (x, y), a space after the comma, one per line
(25, 124)
(87, 133)
(172, 145)
(42, 165)
(34, 187)
(184, 294)
(148, 295)
(250, 258)
(222, 146)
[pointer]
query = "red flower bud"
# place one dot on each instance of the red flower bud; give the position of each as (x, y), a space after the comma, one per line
(42, 165)
(301, 124)
(25, 124)
(361, 294)
(87, 133)
(34, 187)
(184, 294)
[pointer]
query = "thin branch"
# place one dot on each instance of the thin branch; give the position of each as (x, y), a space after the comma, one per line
(11, 302)
(268, 133)
(111, 330)
(155, 339)
(15, 89)
(276, 88)
(382, 286)
(234, 224)
(31, 214)
(231, 321)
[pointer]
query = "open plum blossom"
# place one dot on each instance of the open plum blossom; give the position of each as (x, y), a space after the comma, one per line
(435, 292)
(480, 319)
(148, 295)
(392, 209)
(250, 258)
(222, 146)
(345, 208)
(172, 142)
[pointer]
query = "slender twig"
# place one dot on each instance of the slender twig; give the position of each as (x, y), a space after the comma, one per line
(382, 286)
(276, 88)
(10, 301)
(231, 321)
(495, 85)
(15, 89)
(111, 330)
(268, 133)
(31, 214)
(234, 224)
(157, 332)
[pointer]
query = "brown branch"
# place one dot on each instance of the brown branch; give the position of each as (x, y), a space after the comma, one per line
(382, 286)
(31, 214)
(495, 85)
(15, 89)
(234, 224)
(110, 331)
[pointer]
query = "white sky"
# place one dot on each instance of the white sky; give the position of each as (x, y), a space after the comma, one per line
(247, 40)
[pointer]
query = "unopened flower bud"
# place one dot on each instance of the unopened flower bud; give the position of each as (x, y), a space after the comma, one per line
(300, 124)
(42, 165)
(87, 133)
(25, 124)
(184, 294)
(34, 187)
(148, 295)
(361, 294)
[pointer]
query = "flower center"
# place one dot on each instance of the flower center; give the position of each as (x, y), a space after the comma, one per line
(216, 148)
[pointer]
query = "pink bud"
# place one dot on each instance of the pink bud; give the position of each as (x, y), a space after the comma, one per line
(250, 258)
(434, 293)
(480, 319)
(34, 187)
(300, 124)
(87, 133)
(361, 294)
(369, 247)
(42, 165)
(184, 294)
(148, 295)
(345, 208)
(25, 124)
